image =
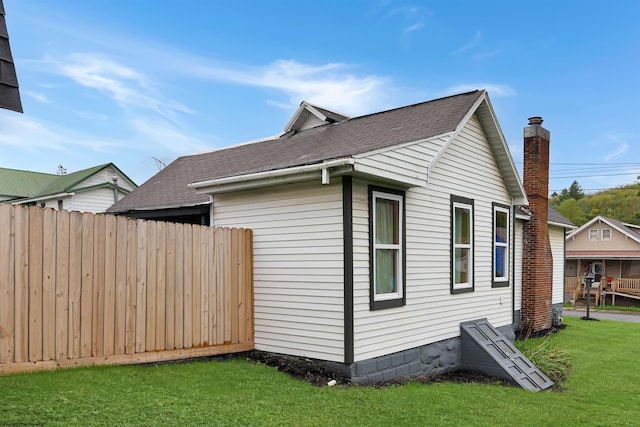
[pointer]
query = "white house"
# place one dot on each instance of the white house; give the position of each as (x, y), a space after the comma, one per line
(90, 190)
(376, 237)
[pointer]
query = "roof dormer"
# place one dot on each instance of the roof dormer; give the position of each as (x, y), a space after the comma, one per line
(309, 116)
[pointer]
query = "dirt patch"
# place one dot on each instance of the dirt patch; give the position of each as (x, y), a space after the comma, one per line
(317, 374)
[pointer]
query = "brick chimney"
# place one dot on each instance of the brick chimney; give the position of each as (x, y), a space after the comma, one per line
(537, 268)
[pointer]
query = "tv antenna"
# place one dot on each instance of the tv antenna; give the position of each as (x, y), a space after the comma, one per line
(159, 163)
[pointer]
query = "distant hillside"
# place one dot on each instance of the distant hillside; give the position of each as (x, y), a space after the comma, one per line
(621, 203)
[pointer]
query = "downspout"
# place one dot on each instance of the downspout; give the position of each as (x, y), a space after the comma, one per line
(513, 266)
(115, 188)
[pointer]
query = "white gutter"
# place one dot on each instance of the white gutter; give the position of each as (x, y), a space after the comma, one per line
(278, 173)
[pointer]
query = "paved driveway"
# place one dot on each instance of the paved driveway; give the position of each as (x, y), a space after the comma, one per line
(608, 315)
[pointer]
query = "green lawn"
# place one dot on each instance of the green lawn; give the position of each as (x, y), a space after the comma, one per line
(602, 390)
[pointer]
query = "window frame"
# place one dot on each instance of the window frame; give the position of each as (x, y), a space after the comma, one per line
(594, 234)
(397, 299)
(467, 204)
(501, 282)
(608, 239)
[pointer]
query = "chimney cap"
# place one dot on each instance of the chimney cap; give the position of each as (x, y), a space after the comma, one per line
(535, 120)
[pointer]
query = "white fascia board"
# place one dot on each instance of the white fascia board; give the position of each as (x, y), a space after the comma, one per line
(498, 145)
(267, 178)
(39, 199)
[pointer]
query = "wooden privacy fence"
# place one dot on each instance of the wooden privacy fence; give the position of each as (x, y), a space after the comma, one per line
(87, 289)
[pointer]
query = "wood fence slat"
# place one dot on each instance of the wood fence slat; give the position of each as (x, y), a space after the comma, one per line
(150, 333)
(7, 283)
(195, 277)
(99, 242)
(228, 288)
(248, 257)
(62, 284)
(132, 287)
(121, 262)
(179, 287)
(21, 271)
(204, 286)
(48, 284)
(35, 284)
(211, 284)
(188, 286)
(75, 282)
(86, 293)
(234, 286)
(111, 236)
(242, 306)
(170, 294)
(141, 287)
(161, 268)
(220, 280)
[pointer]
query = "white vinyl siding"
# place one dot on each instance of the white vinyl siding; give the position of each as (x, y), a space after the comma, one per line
(556, 239)
(402, 163)
(298, 264)
(93, 200)
(467, 169)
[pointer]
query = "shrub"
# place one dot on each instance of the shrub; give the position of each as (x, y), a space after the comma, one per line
(551, 360)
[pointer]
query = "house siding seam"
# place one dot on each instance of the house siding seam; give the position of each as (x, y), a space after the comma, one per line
(431, 313)
(298, 265)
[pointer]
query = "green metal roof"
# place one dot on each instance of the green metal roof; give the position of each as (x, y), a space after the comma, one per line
(66, 183)
(19, 184)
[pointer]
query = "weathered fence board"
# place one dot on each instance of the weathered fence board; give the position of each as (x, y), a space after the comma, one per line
(84, 289)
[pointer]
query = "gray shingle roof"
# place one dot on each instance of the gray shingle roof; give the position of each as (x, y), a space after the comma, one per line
(9, 93)
(169, 188)
(555, 216)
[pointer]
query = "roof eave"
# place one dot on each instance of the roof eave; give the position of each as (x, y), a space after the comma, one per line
(273, 177)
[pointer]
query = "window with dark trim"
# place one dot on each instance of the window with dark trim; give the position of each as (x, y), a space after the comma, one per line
(387, 235)
(501, 245)
(462, 245)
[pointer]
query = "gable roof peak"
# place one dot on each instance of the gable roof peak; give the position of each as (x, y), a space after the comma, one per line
(309, 116)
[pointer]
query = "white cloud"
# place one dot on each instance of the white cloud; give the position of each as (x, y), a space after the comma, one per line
(162, 133)
(495, 90)
(21, 132)
(330, 85)
(622, 148)
(475, 41)
(126, 86)
(40, 97)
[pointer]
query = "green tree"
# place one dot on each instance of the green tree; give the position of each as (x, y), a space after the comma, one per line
(575, 211)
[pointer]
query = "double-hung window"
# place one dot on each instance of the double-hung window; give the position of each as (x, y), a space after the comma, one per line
(593, 234)
(387, 248)
(462, 262)
(606, 234)
(500, 245)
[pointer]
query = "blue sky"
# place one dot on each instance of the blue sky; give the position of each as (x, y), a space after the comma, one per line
(133, 81)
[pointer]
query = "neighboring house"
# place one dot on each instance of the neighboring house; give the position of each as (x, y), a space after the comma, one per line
(9, 93)
(90, 190)
(610, 250)
(376, 237)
